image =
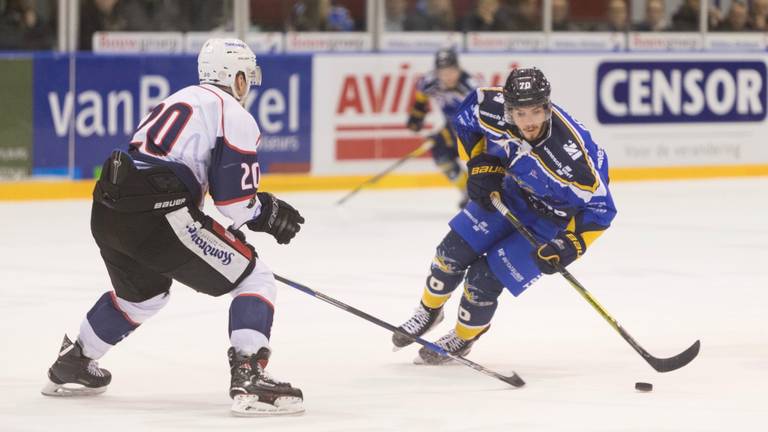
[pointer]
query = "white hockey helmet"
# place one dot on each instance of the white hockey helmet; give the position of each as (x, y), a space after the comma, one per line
(220, 61)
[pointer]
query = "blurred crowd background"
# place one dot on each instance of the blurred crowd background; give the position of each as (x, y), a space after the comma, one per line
(32, 24)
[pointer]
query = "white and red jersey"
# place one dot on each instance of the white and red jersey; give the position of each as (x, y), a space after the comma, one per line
(206, 129)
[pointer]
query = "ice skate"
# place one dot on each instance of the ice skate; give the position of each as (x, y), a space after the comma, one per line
(74, 374)
(423, 320)
(255, 393)
(450, 343)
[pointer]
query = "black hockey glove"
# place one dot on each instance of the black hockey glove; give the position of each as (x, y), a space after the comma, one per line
(486, 173)
(563, 249)
(277, 218)
(415, 123)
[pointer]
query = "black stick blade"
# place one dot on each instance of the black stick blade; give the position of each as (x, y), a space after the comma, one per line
(514, 380)
(676, 362)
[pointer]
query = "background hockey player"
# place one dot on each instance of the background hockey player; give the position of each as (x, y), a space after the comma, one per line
(147, 221)
(446, 86)
(550, 174)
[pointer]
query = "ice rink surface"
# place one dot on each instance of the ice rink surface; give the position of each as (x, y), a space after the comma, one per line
(683, 261)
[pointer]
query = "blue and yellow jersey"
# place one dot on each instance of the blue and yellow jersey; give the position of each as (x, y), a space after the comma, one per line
(563, 175)
(428, 88)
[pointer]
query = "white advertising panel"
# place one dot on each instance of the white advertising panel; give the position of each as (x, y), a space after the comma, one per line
(506, 41)
(262, 42)
(328, 42)
(592, 41)
(138, 42)
(646, 110)
(757, 41)
(656, 41)
(420, 41)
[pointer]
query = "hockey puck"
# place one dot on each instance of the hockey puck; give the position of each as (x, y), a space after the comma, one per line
(643, 387)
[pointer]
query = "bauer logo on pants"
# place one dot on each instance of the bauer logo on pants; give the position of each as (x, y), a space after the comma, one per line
(207, 245)
(681, 92)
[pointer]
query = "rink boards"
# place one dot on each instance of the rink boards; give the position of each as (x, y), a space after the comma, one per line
(330, 120)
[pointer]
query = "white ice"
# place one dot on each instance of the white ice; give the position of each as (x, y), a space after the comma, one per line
(684, 260)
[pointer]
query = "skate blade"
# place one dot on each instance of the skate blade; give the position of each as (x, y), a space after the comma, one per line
(70, 390)
(249, 406)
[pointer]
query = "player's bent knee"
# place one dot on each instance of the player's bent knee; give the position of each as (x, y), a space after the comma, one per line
(260, 282)
(453, 254)
(482, 285)
(139, 312)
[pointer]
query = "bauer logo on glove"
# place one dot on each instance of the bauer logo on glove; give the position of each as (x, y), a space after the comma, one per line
(486, 173)
(487, 169)
(564, 249)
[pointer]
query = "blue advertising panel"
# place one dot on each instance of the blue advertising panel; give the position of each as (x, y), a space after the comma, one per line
(681, 92)
(113, 93)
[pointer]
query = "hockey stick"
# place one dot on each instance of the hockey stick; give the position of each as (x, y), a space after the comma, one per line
(423, 148)
(660, 364)
(513, 380)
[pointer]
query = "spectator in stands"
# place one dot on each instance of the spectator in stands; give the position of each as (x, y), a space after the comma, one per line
(202, 15)
(176, 15)
(655, 18)
(99, 15)
(21, 27)
(487, 16)
(616, 17)
(759, 19)
(527, 16)
(395, 14)
(321, 15)
(686, 18)
(432, 15)
(737, 19)
(560, 16)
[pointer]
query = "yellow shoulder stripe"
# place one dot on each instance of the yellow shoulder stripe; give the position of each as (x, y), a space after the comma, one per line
(497, 130)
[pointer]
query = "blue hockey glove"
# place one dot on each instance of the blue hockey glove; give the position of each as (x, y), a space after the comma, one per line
(565, 248)
(486, 174)
(277, 218)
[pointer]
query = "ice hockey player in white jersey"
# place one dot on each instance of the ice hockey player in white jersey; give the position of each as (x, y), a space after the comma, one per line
(148, 223)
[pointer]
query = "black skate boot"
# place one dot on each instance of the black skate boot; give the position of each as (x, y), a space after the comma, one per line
(423, 320)
(255, 393)
(72, 367)
(450, 343)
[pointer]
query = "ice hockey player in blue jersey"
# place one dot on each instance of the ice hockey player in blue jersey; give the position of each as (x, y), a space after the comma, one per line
(148, 223)
(446, 86)
(550, 174)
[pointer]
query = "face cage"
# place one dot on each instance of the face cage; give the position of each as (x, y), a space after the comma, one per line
(254, 76)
